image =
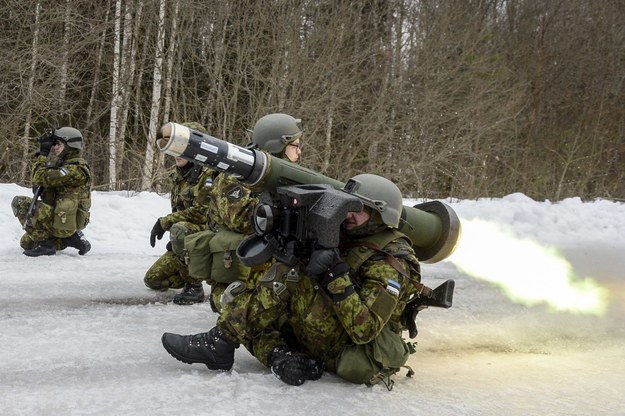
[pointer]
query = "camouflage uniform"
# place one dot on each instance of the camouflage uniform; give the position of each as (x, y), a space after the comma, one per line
(332, 326)
(230, 205)
(189, 196)
(65, 201)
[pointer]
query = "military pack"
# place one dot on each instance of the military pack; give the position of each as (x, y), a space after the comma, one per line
(211, 256)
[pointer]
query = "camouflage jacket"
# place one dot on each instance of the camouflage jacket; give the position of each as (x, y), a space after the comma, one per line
(70, 178)
(189, 196)
(322, 327)
(231, 205)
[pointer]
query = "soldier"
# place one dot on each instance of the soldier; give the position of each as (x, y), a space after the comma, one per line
(63, 179)
(190, 188)
(231, 203)
(342, 311)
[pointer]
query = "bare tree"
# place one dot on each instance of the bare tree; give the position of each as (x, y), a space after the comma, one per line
(148, 164)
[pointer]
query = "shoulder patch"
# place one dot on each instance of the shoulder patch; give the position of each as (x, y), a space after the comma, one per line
(235, 193)
(63, 171)
(393, 287)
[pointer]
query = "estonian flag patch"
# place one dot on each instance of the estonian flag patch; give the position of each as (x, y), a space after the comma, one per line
(392, 287)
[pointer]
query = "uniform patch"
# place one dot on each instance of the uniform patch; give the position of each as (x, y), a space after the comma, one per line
(392, 287)
(208, 183)
(235, 193)
(63, 171)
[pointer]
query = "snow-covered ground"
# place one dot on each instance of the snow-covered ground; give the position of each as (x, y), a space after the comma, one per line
(80, 335)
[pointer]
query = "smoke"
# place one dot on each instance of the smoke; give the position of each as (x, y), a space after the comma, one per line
(526, 271)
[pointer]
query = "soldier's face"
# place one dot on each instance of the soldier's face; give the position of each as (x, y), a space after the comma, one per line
(180, 162)
(293, 151)
(58, 147)
(356, 219)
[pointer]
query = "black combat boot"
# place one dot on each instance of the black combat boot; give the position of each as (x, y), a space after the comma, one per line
(211, 348)
(43, 248)
(79, 242)
(191, 293)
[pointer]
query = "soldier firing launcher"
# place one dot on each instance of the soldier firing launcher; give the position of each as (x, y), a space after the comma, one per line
(306, 208)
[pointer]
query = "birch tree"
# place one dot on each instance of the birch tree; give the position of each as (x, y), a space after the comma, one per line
(29, 92)
(116, 96)
(148, 163)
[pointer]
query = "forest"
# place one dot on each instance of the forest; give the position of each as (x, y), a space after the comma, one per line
(447, 98)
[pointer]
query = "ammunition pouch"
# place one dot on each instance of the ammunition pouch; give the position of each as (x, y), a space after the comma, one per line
(375, 361)
(211, 256)
(83, 213)
(65, 213)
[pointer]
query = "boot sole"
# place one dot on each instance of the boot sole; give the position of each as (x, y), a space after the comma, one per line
(186, 302)
(182, 359)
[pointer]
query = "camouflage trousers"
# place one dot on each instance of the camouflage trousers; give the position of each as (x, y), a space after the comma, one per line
(253, 318)
(170, 270)
(166, 273)
(40, 226)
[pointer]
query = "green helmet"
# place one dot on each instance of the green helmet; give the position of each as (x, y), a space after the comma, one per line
(71, 137)
(378, 193)
(274, 131)
(195, 126)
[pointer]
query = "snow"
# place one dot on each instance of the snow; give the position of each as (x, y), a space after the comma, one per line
(80, 335)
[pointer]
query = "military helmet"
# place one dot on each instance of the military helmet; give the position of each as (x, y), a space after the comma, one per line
(274, 131)
(378, 193)
(195, 126)
(71, 137)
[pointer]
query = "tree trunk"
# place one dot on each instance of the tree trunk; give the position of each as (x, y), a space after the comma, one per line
(148, 163)
(31, 86)
(116, 97)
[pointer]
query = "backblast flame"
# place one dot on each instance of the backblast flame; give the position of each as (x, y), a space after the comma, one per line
(526, 271)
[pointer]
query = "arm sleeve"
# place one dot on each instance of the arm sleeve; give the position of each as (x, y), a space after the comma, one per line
(65, 175)
(197, 212)
(365, 312)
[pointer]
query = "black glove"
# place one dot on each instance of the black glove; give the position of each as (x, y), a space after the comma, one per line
(326, 265)
(294, 368)
(157, 232)
(168, 246)
(46, 142)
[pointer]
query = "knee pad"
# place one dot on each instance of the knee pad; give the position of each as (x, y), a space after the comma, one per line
(19, 205)
(235, 288)
(177, 233)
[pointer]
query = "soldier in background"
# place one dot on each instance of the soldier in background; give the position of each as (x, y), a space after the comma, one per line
(189, 195)
(63, 179)
(230, 207)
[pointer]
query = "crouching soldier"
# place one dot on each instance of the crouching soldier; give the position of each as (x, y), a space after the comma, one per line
(62, 179)
(190, 187)
(341, 310)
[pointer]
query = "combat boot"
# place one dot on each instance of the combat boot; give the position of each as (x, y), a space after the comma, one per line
(43, 248)
(191, 293)
(211, 348)
(79, 242)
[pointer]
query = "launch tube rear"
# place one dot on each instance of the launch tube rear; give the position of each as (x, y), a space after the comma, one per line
(433, 227)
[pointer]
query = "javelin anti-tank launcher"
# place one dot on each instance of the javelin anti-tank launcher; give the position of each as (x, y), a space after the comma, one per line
(302, 209)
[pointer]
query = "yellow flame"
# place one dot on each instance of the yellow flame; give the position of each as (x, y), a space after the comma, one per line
(526, 271)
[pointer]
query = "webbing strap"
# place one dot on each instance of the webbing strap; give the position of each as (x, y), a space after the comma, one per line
(392, 261)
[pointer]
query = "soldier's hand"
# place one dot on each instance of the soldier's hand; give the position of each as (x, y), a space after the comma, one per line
(294, 368)
(324, 261)
(46, 142)
(157, 232)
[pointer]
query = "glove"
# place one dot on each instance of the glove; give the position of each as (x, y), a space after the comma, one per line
(157, 232)
(325, 265)
(326, 260)
(294, 368)
(45, 143)
(168, 246)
